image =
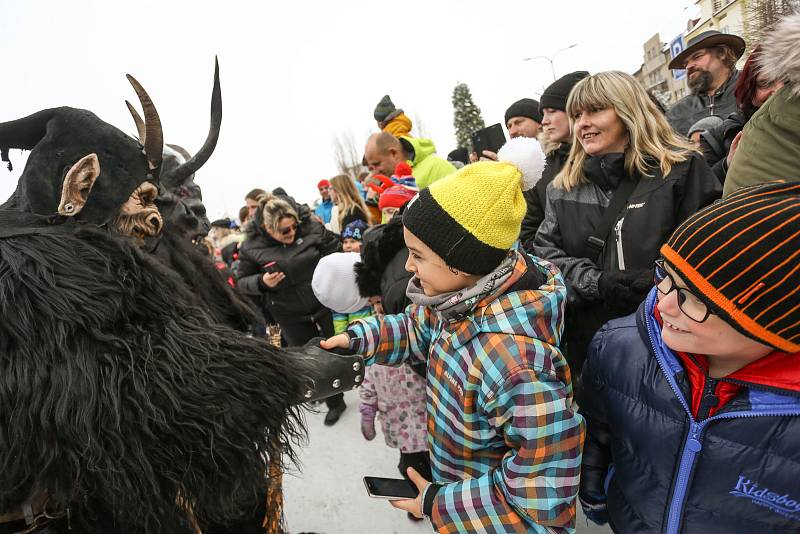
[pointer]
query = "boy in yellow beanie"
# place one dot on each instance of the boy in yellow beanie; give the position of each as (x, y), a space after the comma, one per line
(503, 433)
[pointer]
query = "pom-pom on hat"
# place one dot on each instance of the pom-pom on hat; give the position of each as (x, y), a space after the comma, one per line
(334, 283)
(740, 256)
(402, 170)
(473, 217)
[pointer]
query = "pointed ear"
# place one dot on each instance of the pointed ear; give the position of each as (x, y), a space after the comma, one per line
(78, 184)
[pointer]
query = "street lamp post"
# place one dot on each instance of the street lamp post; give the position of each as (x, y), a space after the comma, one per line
(550, 59)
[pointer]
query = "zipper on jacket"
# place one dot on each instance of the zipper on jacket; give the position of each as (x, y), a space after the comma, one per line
(694, 439)
(618, 237)
(708, 399)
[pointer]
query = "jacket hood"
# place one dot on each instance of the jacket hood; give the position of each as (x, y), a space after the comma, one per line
(422, 148)
(255, 226)
(538, 294)
(780, 55)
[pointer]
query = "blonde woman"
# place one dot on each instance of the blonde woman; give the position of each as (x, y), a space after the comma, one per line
(618, 135)
(349, 204)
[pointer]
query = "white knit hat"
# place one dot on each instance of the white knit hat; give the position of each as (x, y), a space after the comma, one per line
(334, 283)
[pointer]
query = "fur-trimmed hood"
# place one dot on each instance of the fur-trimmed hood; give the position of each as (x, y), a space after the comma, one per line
(381, 244)
(780, 58)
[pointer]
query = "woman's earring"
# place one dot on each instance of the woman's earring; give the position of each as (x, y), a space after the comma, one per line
(454, 271)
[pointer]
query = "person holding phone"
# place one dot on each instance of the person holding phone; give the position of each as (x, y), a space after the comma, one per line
(504, 434)
(277, 262)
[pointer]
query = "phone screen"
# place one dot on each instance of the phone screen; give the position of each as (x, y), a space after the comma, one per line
(390, 488)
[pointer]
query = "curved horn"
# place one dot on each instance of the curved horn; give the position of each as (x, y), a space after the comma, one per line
(154, 138)
(137, 119)
(179, 174)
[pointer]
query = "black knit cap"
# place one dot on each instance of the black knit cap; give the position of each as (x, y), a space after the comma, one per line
(555, 96)
(741, 257)
(431, 223)
(527, 107)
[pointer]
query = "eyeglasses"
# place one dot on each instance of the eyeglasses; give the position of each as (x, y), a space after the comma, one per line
(288, 230)
(694, 308)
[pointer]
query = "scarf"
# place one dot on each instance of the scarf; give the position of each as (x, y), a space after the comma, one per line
(456, 305)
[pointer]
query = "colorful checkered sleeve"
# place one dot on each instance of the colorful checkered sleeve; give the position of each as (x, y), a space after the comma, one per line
(534, 487)
(392, 339)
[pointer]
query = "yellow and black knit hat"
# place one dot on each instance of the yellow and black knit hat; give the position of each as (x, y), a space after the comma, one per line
(742, 257)
(473, 217)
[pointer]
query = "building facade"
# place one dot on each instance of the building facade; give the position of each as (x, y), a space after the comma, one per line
(656, 77)
(726, 16)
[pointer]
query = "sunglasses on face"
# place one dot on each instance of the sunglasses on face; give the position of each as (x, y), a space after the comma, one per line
(288, 230)
(691, 306)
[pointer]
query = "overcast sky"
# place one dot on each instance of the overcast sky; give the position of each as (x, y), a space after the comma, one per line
(296, 74)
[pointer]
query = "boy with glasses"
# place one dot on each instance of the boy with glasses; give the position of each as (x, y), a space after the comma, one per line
(693, 402)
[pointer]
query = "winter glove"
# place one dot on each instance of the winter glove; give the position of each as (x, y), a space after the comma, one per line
(623, 291)
(368, 412)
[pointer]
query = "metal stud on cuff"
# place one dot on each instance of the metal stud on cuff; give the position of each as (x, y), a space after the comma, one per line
(356, 366)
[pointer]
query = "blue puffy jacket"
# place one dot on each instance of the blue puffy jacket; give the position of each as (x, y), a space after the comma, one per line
(649, 466)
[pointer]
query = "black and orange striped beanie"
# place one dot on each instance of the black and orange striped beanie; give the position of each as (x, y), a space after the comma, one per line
(742, 255)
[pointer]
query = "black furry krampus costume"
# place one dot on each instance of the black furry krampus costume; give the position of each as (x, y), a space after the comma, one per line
(125, 406)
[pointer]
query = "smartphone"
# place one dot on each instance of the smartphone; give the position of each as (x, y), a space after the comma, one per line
(390, 488)
(271, 267)
(489, 138)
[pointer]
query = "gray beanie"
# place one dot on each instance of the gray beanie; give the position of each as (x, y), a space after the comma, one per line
(706, 123)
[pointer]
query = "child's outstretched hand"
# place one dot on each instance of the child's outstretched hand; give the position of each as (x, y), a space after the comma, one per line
(341, 341)
(413, 506)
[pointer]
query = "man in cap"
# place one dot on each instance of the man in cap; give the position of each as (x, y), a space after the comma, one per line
(523, 118)
(709, 60)
(325, 206)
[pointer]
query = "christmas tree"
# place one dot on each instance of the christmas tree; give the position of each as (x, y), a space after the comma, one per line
(466, 116)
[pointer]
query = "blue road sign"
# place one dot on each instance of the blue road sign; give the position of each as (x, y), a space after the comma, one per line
(675, 48)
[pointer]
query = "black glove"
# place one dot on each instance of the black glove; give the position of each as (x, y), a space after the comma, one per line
(623, 291)
(328, 372)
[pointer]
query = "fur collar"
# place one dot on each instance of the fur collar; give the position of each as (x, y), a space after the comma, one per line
(780, 57)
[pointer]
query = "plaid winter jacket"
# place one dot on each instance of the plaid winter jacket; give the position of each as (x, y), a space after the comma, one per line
(504, 436)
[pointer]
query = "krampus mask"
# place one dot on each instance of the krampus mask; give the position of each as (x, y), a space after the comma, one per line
(124, 405)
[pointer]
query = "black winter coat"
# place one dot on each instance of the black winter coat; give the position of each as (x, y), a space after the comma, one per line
(660, 471)
(292, 300)
(536, 198)
(716, 143)
(655, 208)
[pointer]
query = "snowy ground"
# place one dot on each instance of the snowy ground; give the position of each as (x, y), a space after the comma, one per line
(327, 496)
